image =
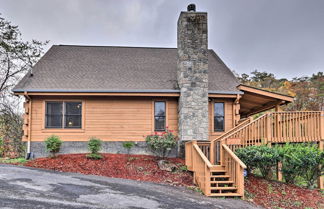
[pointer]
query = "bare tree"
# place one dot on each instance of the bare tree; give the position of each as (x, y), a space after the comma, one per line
(16, 58)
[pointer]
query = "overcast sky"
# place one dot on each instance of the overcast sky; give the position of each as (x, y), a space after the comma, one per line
(285, 37)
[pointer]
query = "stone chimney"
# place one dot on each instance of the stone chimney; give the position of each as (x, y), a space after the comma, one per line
(193, 75)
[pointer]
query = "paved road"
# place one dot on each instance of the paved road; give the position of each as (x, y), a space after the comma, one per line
(22, 187)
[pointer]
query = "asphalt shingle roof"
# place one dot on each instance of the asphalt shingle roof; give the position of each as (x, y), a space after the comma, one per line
(109, 68)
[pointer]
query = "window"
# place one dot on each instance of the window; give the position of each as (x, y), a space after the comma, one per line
(54, 115)
(219, 122)
(63, 115)
(72, 115)
(159, 116)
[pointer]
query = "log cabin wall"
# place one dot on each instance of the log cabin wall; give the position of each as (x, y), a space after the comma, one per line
(117, 118)
(108, 118)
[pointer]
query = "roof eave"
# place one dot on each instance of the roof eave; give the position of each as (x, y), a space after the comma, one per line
(114, 91)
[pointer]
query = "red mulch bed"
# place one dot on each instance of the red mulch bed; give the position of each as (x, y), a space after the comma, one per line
(274, 194)
(136, 167)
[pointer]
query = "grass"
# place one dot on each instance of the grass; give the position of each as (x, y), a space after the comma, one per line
(195, 189)
(15, 160)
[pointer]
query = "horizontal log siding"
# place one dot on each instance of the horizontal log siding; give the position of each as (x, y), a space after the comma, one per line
(108, 118)
(229, 120)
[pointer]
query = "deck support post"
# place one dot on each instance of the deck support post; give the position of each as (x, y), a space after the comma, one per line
(320, 180)
(321, 147)
(279, 173)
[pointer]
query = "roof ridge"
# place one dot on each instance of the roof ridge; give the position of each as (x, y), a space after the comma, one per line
(146, 47)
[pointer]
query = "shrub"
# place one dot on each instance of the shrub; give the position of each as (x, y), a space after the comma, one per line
(262, 157)
(301, 160)
(94, 156)
(128, 146)
(53, 145)
(247, 155)
(94, 146)
(1, 147)
(161, 143)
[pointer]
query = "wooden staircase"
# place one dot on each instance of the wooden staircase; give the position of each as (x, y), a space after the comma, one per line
(216, 180)
(219, 172)
(221, 184)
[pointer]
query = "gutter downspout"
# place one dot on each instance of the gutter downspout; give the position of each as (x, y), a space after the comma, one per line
(29, 124)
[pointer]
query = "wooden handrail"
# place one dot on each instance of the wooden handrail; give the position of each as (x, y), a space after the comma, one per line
(246, 125)
(279, 127)
(243, 123)
(231, 153)
(203, 157)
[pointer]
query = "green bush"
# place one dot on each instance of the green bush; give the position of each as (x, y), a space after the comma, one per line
(161, 143)
(1, 147)
(94, 146)
(53, 145)
(128, 146)
(301, 160)
(247, 155)
(94, 156)
(262, 157)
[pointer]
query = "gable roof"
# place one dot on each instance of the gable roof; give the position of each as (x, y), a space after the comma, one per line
(68, 68)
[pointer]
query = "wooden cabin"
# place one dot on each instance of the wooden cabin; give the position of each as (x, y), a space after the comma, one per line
(123, 94)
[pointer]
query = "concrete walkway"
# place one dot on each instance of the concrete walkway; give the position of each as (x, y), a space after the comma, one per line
(22, 187)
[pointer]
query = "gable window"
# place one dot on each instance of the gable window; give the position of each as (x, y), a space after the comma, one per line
(159, 116)
(219, 114)
(63, 115)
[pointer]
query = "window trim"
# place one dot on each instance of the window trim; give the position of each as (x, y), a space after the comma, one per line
(164, 129)
(63, 130)
(62, 115)
(153, 114)
(224, 123)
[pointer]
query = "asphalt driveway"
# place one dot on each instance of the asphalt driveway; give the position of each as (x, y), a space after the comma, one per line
(22, 187)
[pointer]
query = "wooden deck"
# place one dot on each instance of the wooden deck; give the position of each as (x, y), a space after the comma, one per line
(219, 172)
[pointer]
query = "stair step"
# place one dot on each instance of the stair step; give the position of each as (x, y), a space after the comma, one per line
(221, 182)
(218, 171)
(225, 195)
(218, 168)
(219, 176)
(223, 188)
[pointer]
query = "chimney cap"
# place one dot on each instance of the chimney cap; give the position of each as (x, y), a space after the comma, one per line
(191, 8)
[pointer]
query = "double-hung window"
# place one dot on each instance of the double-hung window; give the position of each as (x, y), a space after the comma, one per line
(159, 116)
(63, 115)
(219, 114)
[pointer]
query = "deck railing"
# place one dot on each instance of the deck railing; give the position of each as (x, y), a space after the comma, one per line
(275, 127)
(234, 167)
(296, 126)
(279, 127)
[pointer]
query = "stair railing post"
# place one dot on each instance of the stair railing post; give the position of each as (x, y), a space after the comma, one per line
(212, 152)
(193, 158)
(222, 153)
(240, 179)
(207, 181)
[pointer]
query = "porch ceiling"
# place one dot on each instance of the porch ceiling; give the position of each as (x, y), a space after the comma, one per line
(256, 100)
